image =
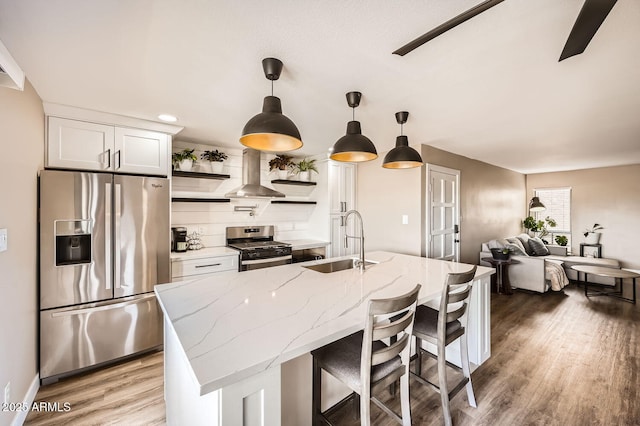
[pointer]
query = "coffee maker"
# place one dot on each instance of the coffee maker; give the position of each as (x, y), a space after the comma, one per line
(179, 239)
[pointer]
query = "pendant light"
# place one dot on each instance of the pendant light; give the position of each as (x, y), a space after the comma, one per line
(535, 205)
(354, 146)
(402, 156)
(271, 130)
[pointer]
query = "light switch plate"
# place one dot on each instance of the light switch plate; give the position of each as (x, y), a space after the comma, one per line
(405, 219)
(3, 239)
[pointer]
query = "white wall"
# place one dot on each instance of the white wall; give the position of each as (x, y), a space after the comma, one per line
(292, 221)
(491, 202)
(384, 195)
(609, 196)
(21, 156)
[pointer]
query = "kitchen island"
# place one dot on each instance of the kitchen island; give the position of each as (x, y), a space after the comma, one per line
(228, 336)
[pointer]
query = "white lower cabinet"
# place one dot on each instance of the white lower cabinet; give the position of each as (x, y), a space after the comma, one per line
(182, 269)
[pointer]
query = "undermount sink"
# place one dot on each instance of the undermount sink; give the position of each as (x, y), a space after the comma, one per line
(338, 265)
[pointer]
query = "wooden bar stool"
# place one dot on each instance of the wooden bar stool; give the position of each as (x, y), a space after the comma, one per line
(442, 327)
(365, 363)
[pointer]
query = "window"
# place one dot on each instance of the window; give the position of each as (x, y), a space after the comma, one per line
(558, 204)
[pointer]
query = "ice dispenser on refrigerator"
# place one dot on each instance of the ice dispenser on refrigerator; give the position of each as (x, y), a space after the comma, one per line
(73, 242)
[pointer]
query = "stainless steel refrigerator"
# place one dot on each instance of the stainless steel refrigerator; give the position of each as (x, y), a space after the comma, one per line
(104, 244)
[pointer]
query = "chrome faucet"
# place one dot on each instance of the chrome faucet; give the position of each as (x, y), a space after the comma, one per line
(361, 238)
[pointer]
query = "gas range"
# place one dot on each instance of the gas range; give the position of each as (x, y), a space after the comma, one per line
(257, 247)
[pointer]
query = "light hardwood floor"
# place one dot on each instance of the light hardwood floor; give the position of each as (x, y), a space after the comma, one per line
(557, 359)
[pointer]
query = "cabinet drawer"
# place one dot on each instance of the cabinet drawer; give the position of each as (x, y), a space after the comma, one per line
(186, 268)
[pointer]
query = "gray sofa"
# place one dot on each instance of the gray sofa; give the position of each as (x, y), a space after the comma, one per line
(530, 272)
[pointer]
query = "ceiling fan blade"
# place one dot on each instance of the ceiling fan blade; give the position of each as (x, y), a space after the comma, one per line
(592, 15)
(442, 28)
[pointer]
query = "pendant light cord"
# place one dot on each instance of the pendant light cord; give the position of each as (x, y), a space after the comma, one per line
(353, 113)
(271, 87)
(401, 126)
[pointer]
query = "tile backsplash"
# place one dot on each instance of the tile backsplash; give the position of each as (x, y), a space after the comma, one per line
(211, 219)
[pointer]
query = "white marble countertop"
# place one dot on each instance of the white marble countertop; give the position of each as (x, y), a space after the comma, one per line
(236, 324)
(305, 244)
(204, 252)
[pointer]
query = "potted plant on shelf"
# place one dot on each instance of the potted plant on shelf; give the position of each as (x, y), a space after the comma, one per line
(533, 226)
(281, 163)
(214, 160)
(593, 237)
(184, 160)
(303, 168)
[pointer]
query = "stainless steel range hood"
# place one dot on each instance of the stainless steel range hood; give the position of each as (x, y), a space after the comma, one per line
(251, 178)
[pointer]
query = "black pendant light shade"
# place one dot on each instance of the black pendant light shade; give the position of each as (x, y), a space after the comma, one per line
(354, 146)
(271, 130)
(535, 205)
(402, 156)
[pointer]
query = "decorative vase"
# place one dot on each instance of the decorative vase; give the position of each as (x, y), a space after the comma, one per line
(216, 166)
(592, 238)
(304, 176)
(282, 174)
(185, 165)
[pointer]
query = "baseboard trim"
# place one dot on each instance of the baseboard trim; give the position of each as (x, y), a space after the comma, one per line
(21, 416)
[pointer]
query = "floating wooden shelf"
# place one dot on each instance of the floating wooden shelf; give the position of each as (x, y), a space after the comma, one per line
(200, 200)
(199, 175)
(294, 182)
(292, 202)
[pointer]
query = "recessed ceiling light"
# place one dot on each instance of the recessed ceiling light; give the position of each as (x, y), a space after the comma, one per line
(168, 118)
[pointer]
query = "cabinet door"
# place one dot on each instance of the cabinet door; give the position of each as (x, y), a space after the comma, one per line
(348, 185)
(342, 181)
(337, 236)
(338, 232)
(141, 151)
(73, 144)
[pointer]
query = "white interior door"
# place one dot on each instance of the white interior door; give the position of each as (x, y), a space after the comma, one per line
(443, 210)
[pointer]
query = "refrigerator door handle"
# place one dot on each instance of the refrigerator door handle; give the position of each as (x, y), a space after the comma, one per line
(116, 235)
(107, 236)
(72, 312)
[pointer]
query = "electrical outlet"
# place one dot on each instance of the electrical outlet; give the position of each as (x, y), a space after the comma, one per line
(3, 239)
(7, 393)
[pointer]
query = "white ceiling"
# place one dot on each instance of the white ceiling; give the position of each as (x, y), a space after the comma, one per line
(490, 89)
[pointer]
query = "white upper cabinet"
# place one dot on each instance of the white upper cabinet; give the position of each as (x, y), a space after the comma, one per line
(342, 198)
(141, 151)
(74, 144)
(342, 187)
(79, 145)
(82, 139)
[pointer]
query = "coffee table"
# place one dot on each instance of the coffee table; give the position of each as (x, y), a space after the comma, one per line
(619, 275)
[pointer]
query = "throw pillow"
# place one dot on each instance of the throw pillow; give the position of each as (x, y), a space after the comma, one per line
(524, 239)
(538, 247)
(516, 249)
(516, 242)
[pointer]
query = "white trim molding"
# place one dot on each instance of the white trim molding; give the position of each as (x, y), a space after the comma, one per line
(30, 396)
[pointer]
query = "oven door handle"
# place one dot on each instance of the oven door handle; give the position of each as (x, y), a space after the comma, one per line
(267, 260)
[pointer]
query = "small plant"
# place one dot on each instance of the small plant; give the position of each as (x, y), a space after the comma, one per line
(594, 228)
(305, 166)
(562, 240)
(214, 155)
(185, 154)
(280, 162)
